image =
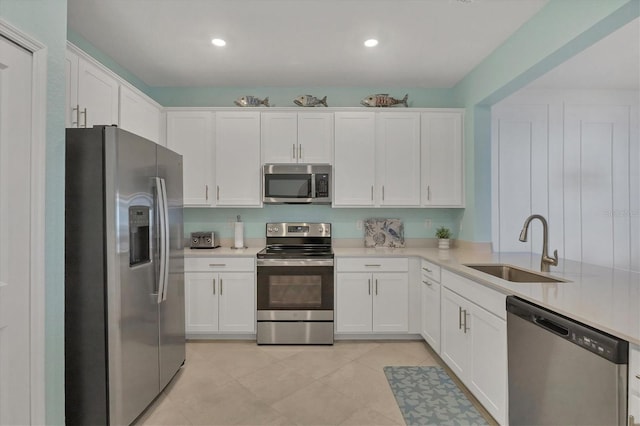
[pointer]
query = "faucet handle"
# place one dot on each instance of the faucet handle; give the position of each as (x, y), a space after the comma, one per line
(552, 260)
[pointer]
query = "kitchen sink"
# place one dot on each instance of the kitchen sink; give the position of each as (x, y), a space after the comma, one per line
(514, 274)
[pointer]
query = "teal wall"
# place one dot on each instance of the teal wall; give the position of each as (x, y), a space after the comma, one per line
(343, 220)
(46, 21)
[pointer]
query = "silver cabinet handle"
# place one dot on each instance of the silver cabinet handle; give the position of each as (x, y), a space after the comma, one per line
(429, 192)
(294, 151)
(218, 192)
(369, 286)
(638, 376)
(382, 192)
(427, 269)
(371, 192)
(206, 192)
(373, 265)
(376, 287)
(85, 118)
(220, 286)
(459, 317)
(300, 152)
(427, 283)
(217, 264)
(77, 110)
(214, 286)
(465, 321)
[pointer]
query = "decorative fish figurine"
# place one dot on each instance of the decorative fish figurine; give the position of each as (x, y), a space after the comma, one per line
(383, 100)
(251, 101)
(309, 101)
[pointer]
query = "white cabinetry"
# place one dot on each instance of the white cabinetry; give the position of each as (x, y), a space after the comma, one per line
(91, 93)
(634, 385)
(430, 296)
(290, 137)
(442, 159)
(474, 340)
(372, 295)
(139, 115)
(237, 159)
(219, 295)
(354, 170)
(398, 158)
(377, 159)
(190, 133)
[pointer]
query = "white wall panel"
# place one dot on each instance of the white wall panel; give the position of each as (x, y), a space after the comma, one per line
(573, 156)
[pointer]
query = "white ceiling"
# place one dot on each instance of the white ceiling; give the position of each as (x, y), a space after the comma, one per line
(611, 63)
(423, 43)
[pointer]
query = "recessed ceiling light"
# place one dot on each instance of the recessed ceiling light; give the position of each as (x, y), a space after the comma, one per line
(218, 42)
(371, 42)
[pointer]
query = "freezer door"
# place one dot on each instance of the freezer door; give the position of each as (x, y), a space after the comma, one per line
(171, 313)
(130, 168)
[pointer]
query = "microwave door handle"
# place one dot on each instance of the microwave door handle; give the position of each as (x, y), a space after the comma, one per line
(313, 186)
(165, 239)
(161, 219)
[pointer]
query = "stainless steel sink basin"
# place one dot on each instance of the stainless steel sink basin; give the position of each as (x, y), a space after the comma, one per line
(514, 274)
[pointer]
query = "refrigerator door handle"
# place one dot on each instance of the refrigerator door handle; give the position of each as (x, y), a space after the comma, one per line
(161, 249)
(164, 237)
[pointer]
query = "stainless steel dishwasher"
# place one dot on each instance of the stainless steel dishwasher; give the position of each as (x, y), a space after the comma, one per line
(562, 372)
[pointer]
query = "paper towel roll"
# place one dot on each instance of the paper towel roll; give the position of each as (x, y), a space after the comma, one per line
(238, 235)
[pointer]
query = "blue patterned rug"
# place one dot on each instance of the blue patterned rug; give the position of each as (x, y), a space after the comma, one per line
(428, 396)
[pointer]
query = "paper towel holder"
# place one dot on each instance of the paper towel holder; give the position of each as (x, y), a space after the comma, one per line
(238, 235)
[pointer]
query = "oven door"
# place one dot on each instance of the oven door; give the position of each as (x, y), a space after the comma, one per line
(295, 285)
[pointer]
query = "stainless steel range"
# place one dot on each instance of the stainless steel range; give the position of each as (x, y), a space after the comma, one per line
(295, 285)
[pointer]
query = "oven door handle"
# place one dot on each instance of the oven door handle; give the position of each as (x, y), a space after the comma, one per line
(295, 262)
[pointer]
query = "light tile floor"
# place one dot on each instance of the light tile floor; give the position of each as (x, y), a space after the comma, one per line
(241, 383)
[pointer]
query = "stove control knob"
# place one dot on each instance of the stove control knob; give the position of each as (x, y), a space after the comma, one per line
(276, 229)
(269, 229)
(320, 229)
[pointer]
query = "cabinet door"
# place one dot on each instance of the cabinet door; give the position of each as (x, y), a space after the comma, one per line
(398, 158)
(138, 115)
(391, 302)
(72, 112)
(237, 302)
(315, 137)
(487, 373)
(353, 302)
(97, 96)
(201, 299)
(431, 313)
(279, 135)
(453, 342)
(634, 384)
(442, 159)
(354, 163)
(237, 153)
(190, 133)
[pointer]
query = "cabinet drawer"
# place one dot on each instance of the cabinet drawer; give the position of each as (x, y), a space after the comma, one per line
(216, 264)
(430, 270)
(372, 264)
(634, 369)
(491, 300)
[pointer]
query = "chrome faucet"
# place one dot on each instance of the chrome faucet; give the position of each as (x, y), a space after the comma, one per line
(545, 261)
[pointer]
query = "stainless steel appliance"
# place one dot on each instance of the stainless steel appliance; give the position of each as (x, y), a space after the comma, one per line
(296, 184)
(124, 274)
(295, 285)
(203, 240)
(562, 372)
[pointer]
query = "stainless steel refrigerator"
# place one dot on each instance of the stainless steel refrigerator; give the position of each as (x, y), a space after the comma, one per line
(124, 274)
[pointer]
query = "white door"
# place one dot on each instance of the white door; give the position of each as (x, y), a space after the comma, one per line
(201, 298)
(353, 302)
(315, 137)
(97, 96)
(391, 302)
(138, 115)
(431, 313)
(15, 226)
(237, 302)
(454, 344)
(279, 137)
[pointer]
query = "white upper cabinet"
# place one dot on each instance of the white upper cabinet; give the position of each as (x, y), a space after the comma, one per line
(354, 165)
(139, 115)
(237, 166)
(190, 133)
(398, 158)
(92, 94)
(291, 137)
(442, 159)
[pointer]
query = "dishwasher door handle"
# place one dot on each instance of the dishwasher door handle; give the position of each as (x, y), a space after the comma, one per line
(551, 326)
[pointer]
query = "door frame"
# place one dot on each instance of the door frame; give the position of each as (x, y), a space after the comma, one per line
(37, 215)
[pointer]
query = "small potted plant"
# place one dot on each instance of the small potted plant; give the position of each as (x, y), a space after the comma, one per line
(444, 234)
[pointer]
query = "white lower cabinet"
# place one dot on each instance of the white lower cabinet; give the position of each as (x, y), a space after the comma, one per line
(474, 344)
(219, 302)
(430, 297)
(634, 385)
(372, 301)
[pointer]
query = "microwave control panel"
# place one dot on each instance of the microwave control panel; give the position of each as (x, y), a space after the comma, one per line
(322, 185)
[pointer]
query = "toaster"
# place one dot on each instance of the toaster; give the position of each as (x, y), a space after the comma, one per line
(203, 240)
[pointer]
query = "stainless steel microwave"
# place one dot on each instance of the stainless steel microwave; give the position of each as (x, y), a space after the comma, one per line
(296, 184)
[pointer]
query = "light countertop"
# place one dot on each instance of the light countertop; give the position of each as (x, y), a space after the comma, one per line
(604, 298)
